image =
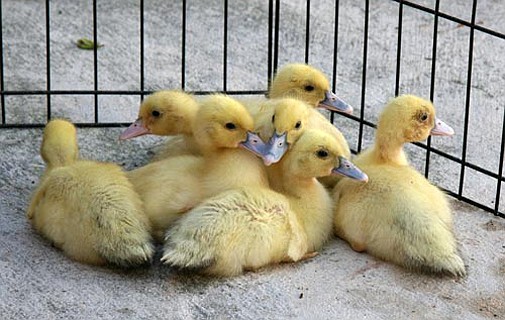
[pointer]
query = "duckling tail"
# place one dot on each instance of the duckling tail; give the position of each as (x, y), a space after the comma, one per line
(186, 254)
(59, 144)
(450, 264)
(432, 248)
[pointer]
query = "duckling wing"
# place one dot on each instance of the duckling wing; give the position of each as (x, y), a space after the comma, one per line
(237, 230)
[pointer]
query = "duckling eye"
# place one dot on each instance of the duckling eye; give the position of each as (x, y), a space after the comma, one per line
(423, 117)
(230, 126)
(298, 125)
(309, 88)
(322, 154)
(155, 113)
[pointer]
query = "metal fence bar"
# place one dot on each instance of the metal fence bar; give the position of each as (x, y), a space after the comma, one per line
(454, 19)
(270, 40)
(432, 81)
(2, 84)
(95, 60)
(500, 168)
(473, 203)
(48, 60)
(141, 48)
(363, 77)
(307, 32)
(335, 50)
(114, 92)
(276, 32)
(467, 102)
(183, 46)
(225, 45)
(399, 48)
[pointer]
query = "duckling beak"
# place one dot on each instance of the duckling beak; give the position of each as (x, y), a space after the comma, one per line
(255, 144)
(134, 130)
(348, 169)
(334, 103)
(277, 147)
(441, 129)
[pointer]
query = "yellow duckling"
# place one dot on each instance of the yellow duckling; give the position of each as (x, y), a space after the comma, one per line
(282, 125)
(284, 117)
(221, 128)
(399, 216)
(310, 85)
(167, 113)
(250, 227)
(87, 209)
(172, 186)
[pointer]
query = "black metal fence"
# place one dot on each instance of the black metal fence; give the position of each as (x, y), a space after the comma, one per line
(275, 8)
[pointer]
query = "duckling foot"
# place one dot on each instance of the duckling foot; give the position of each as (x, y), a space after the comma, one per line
(306, 256)
(309, 255)
(358, 247)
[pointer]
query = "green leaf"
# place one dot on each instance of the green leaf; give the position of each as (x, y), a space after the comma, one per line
(87, 44)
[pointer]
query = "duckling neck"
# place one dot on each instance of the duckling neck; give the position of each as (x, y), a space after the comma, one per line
(185, 126)
(295, 186)
(388, 151)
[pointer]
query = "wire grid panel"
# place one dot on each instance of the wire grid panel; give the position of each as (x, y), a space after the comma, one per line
(372, 50)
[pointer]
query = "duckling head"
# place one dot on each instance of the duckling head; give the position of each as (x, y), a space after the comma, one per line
(288, 122)
(221, 122)
(303, 82)
(165, 113)
(317, 154)
(59, 143)
(408, 118)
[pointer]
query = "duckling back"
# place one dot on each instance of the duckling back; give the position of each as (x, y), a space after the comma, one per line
(88, 209)
(59, 144)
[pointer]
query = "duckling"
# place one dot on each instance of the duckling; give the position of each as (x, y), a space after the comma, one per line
(220, 132)
(281, 124)
(250, 227)
(399, 216)
(167, 113)
(283, 119)
(310, 85)
(172, 186)
(87, 209)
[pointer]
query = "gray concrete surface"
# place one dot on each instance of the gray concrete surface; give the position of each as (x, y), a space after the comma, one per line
(38, 282)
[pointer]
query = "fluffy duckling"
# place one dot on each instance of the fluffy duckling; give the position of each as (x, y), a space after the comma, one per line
(310, 85)
(282, 119)
(399, 216)
(167, 113)
(220, 131)
(250, 227)
(172, 186)
(87, 209)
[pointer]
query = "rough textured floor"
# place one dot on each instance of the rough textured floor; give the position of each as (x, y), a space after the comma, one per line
(38, 282)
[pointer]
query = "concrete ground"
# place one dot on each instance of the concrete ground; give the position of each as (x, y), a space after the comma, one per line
(38, 282)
